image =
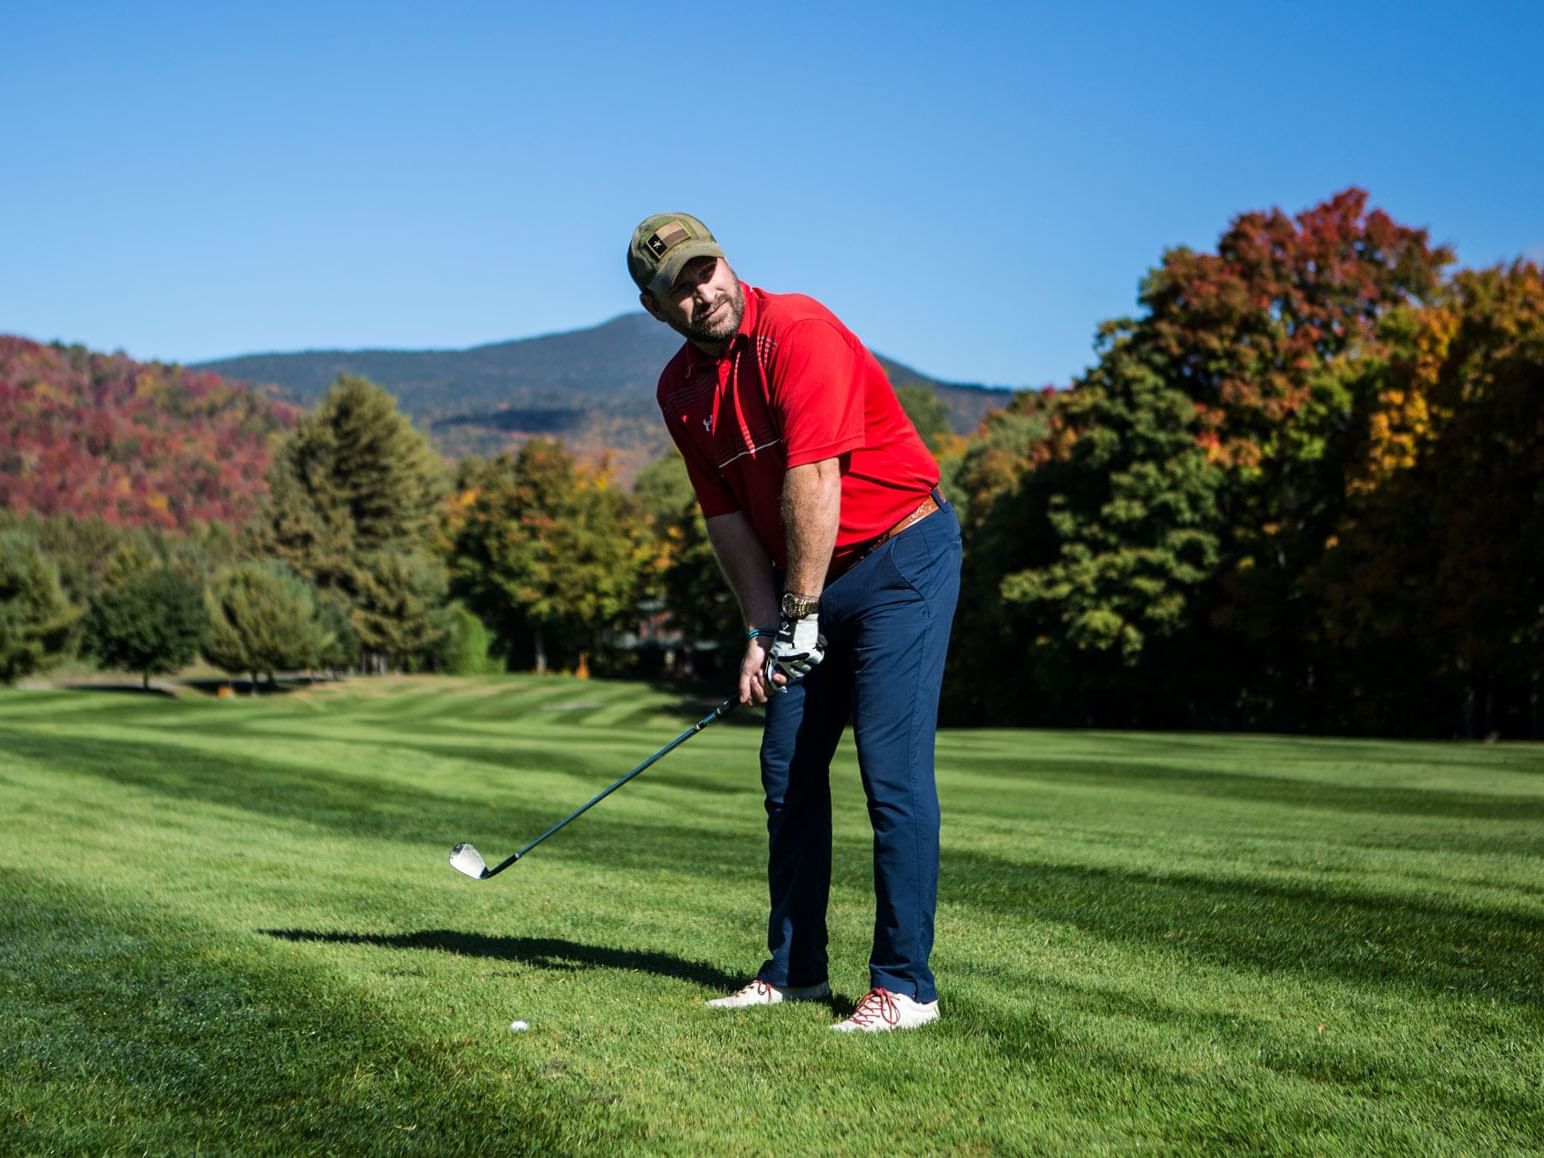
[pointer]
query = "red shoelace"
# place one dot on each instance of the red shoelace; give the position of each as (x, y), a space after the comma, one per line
(877, 1006)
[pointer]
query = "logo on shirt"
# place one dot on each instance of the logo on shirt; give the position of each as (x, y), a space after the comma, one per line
(707, 424)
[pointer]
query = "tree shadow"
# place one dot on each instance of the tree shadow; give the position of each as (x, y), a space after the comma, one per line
(1333, 928)
(537, 952)
(132, 689)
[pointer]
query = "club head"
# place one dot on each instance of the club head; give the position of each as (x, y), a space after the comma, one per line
(466, 859)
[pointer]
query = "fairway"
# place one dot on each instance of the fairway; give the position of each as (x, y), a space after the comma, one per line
(230, 925)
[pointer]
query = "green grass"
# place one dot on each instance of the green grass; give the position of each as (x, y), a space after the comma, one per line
(228, 925)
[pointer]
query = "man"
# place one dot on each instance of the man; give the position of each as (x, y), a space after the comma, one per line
(822, 507)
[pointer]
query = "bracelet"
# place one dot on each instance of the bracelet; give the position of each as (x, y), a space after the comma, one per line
(758, 632)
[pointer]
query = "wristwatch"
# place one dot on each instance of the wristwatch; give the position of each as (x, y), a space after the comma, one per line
(797, 606)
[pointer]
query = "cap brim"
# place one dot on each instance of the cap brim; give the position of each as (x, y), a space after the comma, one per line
(670, 269)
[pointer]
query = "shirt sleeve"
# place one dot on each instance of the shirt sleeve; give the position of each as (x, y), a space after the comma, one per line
(817, 392)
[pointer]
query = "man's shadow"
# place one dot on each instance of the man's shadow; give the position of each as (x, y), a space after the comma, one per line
(541, 953)
(537, 952)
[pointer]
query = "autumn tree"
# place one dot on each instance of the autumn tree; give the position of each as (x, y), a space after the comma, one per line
(1433, 588)
(546, 552)
(1195, 474)
(686, 575)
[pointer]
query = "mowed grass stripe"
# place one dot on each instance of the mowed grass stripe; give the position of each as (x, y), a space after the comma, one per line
(1145, 942)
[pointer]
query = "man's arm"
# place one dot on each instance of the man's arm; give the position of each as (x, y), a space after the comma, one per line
(812, 508)
(747, 567)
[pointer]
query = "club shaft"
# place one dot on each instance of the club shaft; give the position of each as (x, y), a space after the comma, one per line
(717, 713)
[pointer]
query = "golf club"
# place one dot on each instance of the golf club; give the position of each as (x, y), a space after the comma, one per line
(466, 859)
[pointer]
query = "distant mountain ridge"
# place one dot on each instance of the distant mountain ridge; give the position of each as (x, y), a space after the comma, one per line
(592, 387)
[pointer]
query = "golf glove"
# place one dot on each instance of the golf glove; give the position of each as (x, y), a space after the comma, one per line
(799, 647)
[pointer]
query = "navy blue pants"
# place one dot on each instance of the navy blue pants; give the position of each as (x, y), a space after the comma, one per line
(886, 623)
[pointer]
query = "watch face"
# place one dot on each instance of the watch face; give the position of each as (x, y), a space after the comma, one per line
(797, 608)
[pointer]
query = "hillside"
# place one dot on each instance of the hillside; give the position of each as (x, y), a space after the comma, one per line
(137, 443)
(593, 387)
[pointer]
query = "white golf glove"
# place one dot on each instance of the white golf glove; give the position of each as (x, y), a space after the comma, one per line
(798, 648)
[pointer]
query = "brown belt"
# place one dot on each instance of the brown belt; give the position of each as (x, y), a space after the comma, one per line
(928, 506)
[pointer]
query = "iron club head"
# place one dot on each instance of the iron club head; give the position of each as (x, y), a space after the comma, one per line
(466, 859)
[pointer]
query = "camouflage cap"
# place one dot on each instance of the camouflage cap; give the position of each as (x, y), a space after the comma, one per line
(662, 244)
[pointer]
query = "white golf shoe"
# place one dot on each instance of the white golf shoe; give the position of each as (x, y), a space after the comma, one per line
(760, 992)
(881, 1010)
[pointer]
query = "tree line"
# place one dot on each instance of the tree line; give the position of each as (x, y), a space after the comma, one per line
(1300, 490)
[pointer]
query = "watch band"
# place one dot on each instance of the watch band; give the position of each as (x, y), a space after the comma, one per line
(796, 606)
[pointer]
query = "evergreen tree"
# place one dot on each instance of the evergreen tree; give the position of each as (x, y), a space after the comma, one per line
(35, 616)
(263, 620)
(399, 608)
(353, 491)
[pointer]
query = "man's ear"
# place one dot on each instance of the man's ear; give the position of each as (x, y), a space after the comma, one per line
(646, 300)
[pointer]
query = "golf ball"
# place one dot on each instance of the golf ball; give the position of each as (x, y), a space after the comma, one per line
(518, 1026)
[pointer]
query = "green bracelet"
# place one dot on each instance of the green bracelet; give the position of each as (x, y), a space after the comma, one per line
(758, 632)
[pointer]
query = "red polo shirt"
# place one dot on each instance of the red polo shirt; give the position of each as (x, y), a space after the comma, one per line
(795, 387)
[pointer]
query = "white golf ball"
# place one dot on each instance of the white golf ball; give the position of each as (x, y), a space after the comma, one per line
(518, 1026)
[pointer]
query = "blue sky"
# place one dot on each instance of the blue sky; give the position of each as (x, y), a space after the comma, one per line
(972, 186)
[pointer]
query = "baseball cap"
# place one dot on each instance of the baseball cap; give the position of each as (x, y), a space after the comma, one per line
(662, 244)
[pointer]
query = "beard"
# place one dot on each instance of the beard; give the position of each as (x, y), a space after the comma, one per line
(716, 324)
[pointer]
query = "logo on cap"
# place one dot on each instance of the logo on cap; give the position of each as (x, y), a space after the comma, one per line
(672, 234)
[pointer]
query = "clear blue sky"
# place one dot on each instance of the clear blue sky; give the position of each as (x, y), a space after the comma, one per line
(972, 186)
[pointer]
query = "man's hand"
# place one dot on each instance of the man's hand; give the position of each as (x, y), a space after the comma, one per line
(798, 648)
(754, 687)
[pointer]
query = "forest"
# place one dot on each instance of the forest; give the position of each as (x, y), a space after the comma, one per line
(1301, 489)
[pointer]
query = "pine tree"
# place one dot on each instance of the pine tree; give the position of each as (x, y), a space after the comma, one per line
(35, 616)
(263, 620)
(354, 494)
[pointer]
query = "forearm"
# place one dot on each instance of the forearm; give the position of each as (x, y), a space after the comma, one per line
(746, 567)
(812, 507)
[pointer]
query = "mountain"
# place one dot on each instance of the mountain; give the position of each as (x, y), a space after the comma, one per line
(594, 388)
(140, 443)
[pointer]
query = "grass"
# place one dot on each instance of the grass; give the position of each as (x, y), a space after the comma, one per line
(228, 925)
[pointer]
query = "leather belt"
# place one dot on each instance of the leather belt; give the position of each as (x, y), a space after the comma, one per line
(927, 507)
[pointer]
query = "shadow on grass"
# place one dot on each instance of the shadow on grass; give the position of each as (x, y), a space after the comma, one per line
(134, 688)
(537, 952)
(1446, 945)
(1380, 799)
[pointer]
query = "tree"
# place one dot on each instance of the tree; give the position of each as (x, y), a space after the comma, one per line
(355, 492)
(1191, 480)
(929, 414)
(151, 623)
(399, 606)
(35, 616)
(547, 552)
(685, 574)
(263, 620)
(1433, 588)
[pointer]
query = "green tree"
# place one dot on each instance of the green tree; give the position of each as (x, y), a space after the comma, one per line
(152, 623)
(685, 573)
(399, 607)
(35, 615)
(355, 493)
(466, 647)
(263, 620)
(929, 414)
